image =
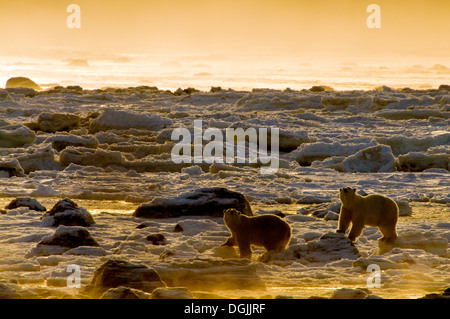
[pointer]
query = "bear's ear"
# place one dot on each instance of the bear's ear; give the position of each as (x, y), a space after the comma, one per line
(354, 190)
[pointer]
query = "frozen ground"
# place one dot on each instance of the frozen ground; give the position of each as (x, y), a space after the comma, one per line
(109, 150)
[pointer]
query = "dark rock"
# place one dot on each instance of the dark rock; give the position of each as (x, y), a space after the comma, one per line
(67, 213)
(444, 295)
(215, 89)
(157, 239)
(178, 228)
(29, 202)
(22, 82)
(124, 293)
(317, 88)
(70, 237)
(200, 202)
(444, 87)
(116, 273)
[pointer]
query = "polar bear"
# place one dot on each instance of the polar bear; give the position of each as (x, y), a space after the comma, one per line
(372, 210)
(268, 231)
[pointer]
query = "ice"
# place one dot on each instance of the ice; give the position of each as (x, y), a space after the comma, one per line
(112, 119)
(60, 142)
(373, 159)
(16, 135)
(305, 154)
(109, 151)
(29, 202)
(420, 161)
(54, 122)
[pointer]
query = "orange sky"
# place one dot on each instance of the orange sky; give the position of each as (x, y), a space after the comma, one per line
(415, 27)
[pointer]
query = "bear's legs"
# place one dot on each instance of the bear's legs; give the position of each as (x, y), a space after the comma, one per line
(389, 233)
(231, 241)
(245, 249)
(355, 232)
(345, 218)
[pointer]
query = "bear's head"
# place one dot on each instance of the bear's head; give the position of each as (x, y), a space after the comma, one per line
(347, 195)
(230, 215)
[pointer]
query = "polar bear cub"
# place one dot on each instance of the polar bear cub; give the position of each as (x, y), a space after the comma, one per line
(268, 231)
(372, 210)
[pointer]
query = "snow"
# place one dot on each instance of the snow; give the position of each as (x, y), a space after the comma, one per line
(113, 155)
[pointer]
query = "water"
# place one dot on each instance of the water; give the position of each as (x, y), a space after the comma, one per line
(237, 72)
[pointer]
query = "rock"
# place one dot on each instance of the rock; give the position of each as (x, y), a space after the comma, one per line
(112, 119)
(22, 82)
(157, 239)
(66, 212)
(124, 293)
(178, 228)
(348, 293)
(29, 202)
(200, 202)
(378, 158)
(442, 295)
(317, 88)
(116, 273)
(172, 293)
(16, 135)
(70, 237)
(64, 239)
(55, 122)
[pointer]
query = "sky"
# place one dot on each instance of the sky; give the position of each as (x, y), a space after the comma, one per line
(214, 27)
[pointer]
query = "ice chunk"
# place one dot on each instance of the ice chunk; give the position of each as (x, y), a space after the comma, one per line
(378, 158)
(90, 157)
(350, 293)
(60, 142)
(172, 293)
(306, 153)
(420, 161)
(54, 122)
(123, 120)
(29, 202)
(11, 167)
(403, 144)
(426, 241)
(16, 136)
(38, 158)
(116, 273)
(411, 114)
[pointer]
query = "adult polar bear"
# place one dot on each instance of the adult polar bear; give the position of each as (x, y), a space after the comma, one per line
(372, 210)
